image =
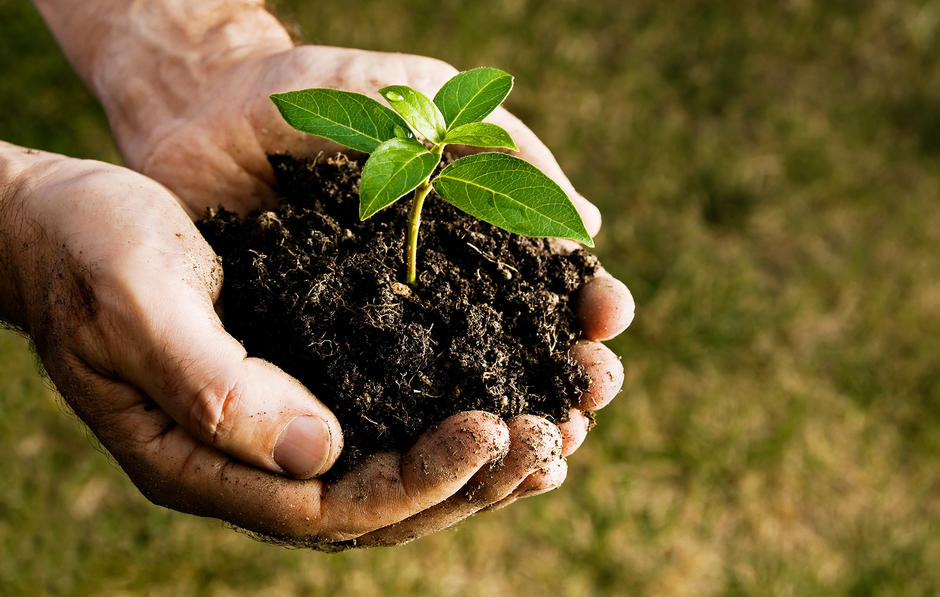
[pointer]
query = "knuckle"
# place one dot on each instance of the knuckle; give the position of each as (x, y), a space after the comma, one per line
(213, 410)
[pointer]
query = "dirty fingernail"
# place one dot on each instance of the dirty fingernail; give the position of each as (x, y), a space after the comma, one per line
(303, 448)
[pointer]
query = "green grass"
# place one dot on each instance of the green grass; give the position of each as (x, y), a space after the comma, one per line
(769, 175)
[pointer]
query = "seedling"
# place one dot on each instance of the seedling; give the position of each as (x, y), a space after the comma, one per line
(503, 190)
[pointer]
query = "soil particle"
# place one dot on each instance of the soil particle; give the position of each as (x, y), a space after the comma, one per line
(317, 292)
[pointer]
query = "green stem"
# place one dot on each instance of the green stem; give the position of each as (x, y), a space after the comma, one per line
(414, 223)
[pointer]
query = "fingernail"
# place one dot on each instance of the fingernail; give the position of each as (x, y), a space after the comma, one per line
(303, 447)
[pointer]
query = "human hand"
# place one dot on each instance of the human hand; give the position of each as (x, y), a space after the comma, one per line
(605, 307)
(195, 160)
(116, 287)
(203, 125)
(185, 86)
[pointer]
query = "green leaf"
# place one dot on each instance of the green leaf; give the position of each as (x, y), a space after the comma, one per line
(480, 134)
(470, 96)
(404, 133)
(512, 194)
(394, 168)
(350, 119)
(418, 110)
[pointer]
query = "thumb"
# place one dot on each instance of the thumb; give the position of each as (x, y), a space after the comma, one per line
(246, 407)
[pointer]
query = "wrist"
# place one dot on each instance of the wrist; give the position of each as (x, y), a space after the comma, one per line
(17, 234)
(151, 64)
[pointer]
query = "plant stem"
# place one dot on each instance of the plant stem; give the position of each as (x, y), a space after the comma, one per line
(414, 222)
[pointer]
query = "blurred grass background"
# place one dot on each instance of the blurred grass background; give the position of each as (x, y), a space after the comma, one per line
(769, 175)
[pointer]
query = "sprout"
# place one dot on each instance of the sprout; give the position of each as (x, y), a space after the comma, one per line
(503, 190)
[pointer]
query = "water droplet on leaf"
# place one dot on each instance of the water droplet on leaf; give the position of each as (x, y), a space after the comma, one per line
(394, 97)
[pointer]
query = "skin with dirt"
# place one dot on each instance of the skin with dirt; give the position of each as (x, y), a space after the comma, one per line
(318, 292)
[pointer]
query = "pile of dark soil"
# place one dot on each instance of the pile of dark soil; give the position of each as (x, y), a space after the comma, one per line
(317, 292)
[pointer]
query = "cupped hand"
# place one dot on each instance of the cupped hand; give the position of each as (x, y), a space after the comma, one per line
(117, 290)
(216, 152)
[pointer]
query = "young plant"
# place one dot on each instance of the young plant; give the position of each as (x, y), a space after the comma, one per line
(497, 188)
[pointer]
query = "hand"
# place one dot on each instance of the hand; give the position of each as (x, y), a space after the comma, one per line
(219, 156)
(202, 124)
(188, 101)
(116, 287)
(243, 131)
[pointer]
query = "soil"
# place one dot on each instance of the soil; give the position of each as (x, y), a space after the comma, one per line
(317, 292)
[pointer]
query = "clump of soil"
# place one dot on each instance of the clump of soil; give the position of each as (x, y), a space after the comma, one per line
(316, 291)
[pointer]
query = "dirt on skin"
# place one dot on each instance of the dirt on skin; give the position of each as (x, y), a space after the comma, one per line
(319, 293)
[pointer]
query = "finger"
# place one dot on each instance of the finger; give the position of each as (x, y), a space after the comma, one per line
(536, 153)
(574, 431)
(171, 345)
(243, 406)
(605, 370)
(605, 307)
(389, 488)
(549, 478)
(534, 442)
(175, 470)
